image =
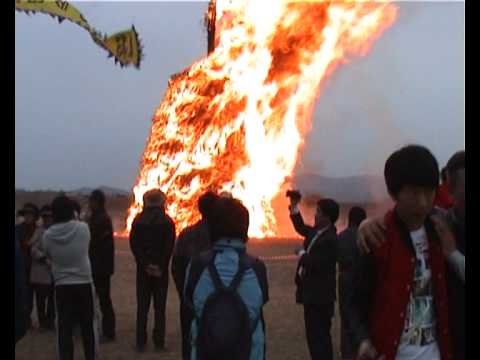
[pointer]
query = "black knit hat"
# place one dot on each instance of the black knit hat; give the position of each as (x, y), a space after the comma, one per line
(29, 208)
(98, 196)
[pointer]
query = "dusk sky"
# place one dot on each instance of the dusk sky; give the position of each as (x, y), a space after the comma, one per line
(82, 121)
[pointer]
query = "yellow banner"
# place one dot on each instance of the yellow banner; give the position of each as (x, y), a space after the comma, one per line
(124, 46)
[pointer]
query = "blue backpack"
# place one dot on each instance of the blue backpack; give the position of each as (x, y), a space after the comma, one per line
(225, 329)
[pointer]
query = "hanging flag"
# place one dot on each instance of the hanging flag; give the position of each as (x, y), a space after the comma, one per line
(124, 46)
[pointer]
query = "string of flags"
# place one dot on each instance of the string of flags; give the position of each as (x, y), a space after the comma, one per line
(123, 46)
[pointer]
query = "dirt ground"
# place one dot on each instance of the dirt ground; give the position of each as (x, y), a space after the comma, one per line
(284, 319)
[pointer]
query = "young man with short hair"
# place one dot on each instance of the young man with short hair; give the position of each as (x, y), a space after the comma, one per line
(397, 308)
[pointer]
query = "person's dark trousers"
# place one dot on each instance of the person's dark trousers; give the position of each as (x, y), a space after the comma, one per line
(30, 295)
(186, 318)
(75, 305)
(318, 320)
(45, 306)
(148, 287)
(102, 287)
(346, 346)
(29, 291)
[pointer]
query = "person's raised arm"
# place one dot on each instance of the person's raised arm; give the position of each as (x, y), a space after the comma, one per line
(296, 217)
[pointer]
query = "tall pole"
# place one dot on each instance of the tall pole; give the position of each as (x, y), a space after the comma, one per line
(211, 19)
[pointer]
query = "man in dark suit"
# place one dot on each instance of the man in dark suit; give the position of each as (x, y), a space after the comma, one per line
(316, 273)
(102, 260)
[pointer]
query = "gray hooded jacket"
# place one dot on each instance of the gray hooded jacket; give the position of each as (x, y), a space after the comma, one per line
(66, 245)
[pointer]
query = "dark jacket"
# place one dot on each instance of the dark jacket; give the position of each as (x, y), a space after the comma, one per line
(377, 302)
(152, 238)
(20, 294)
(347, 249)
(347, 252)
(192, 241)
(456, 293)
(23, 234)
(318, 285)
(102, 248)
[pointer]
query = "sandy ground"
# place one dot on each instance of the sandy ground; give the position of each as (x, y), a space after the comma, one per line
(285, 327)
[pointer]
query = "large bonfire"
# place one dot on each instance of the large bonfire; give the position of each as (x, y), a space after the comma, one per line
(235, 121)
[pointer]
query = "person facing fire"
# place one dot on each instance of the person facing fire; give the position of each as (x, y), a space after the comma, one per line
(20, 294)
(347, 252)
(192, 241)
(226, 288)
(151, 240)
(66, 243)
(24, 233)
(102, 258)
(316, 273)
(41, 274)
(397, 307)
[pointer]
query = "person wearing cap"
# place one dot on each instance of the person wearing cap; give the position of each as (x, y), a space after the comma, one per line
(41, 274)
(23, 234)
(152, 238)
(102, 255)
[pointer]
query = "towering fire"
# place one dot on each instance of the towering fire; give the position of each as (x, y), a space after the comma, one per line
(235, 120)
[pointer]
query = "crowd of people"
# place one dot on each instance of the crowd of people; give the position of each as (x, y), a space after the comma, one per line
(400, 277)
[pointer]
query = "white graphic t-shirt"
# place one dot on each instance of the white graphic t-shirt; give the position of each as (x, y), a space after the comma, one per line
(418, 341)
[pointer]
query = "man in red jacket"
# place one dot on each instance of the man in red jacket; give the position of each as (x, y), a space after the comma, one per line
(443, 198)
(397, 307)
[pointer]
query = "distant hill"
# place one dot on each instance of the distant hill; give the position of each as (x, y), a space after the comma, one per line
(109, 191)
(118, 201)
(352, 189)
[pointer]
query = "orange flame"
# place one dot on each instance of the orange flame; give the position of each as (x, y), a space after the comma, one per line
(235, 121)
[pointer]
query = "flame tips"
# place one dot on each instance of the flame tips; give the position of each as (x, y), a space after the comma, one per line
(235, 120)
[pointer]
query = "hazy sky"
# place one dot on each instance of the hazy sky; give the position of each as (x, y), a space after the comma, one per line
(81, 121)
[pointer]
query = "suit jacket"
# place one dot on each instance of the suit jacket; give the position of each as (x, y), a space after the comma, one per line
(317, 286)
(102, 247)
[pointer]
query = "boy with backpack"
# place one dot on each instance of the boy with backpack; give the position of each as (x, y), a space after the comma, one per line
(227, 289)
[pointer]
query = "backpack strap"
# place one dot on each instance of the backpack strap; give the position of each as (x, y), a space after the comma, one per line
(242, 267)
(261, 272)
(197, 265)
(217, 282)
